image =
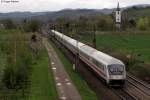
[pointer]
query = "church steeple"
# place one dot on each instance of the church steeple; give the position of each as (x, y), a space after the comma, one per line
(118, 16)
(118, 7)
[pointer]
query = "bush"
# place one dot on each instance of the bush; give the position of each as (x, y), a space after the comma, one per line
(31, 26)
(9, 78)
(9, 24)
(17, 68)
(143, 23)
(132, 23)
(16, 73)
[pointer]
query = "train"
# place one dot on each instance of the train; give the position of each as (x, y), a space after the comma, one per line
(110, 69)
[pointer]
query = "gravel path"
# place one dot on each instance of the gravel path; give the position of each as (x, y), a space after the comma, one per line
(65, 88)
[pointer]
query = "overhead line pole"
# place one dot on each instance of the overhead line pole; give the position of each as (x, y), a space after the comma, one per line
(94, 39)
(77, 53)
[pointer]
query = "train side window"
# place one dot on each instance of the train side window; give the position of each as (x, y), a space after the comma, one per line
(102, 66)
(98, 64)
(83, 54)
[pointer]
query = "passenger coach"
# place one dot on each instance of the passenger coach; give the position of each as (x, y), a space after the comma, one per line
(107, 67)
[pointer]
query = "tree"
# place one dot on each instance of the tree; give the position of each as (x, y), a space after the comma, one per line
(61, 21)
(132, 23)
(149, 23)
(105, 23)
(31, 26)
(8, 24)
(109, 23)
(18, 64)
(143, 23)
(101, 24)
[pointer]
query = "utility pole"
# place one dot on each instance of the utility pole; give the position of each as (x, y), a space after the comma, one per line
(53, 26)
(77, 45)
(54, 29)
(62, 28)
(15, 51)
(94, 37)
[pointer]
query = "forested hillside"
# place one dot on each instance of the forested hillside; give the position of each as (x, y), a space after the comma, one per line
(136, 12)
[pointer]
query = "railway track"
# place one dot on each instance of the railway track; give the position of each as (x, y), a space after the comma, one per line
(137, 89)
(123, 95)
(144, 87)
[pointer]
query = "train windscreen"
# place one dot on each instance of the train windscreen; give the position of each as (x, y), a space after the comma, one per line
(116, 69)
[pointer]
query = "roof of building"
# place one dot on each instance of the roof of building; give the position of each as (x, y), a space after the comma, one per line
(118, 7)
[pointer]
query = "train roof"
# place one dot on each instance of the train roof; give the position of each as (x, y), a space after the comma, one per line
(100, 56)
(95, 54)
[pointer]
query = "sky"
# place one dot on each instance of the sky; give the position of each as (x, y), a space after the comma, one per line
(55, 5)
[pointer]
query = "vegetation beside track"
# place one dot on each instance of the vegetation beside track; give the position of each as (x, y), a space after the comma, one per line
(84, 90)
(21, 76)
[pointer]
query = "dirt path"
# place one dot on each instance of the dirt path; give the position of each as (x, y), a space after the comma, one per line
(65, 87)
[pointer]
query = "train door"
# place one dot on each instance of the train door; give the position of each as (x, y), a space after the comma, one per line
(107, 73)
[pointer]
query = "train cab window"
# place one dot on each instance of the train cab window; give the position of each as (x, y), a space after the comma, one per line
(115, 69)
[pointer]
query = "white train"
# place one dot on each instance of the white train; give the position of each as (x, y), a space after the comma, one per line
(110, 69)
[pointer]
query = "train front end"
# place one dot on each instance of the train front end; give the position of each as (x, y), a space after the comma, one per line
(116, 74)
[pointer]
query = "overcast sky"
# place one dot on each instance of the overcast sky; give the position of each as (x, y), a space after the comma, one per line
(55, 5)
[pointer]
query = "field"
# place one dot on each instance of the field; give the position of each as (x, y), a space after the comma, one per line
(136, 45)
(125, 43)
(136, 13)
(23, 76)
(84, 90)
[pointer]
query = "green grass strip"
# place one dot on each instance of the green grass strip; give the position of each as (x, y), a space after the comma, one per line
(42, 85)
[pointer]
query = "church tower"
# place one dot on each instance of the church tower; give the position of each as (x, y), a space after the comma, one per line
(118, 17)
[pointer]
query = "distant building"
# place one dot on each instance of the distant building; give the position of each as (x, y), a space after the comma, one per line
(118, 17)
(1, 26)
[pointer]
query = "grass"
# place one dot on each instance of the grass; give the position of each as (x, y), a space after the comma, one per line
(7, 38)
(126, 43)
(42, 85)
(4, 31)
(84, 90)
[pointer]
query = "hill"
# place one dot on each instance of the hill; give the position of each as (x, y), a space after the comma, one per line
(132, 12)
(19, 15)
(135, 12)
(44, 16)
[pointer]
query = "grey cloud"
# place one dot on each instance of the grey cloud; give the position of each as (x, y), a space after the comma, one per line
(53, 5)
